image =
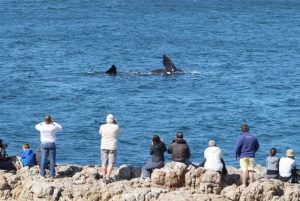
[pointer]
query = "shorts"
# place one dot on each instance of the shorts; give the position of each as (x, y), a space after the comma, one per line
(108, 157)
(247, 164)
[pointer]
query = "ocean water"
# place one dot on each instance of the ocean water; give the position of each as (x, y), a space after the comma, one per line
(241, 60)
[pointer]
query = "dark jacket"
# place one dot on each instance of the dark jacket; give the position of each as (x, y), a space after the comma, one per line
(246, 145)
(157, 152)
(180, 150)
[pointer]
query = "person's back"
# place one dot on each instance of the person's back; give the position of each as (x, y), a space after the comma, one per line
(179, 149)
(272, 163)
(287, 166)
(28, 158)
(157, 152)
(109, 133)
(48, 131)
(247, 145)
(213, 157)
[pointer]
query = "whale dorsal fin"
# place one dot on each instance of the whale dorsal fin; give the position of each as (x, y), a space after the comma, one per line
(112, 70)
(168, 64)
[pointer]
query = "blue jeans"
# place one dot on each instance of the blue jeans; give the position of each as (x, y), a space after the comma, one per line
(149, 166)
(48, 150)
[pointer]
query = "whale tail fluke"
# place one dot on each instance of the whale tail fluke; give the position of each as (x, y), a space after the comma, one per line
(112, 70)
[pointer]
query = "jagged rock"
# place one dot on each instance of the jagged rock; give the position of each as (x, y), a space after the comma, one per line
(128, 172)
(173, 182)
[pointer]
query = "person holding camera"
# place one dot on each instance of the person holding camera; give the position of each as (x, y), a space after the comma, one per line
(48, 130)
(109, 133)
(6, 163)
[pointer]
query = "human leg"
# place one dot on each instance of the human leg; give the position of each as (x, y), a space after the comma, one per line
(44, 153)
(104, 161)
(149, 166)
(112, 155)
(251, 162)
(52, 158)
(244, 167)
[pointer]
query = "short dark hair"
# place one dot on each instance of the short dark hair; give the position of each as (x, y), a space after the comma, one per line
(26, 146)
(48, 119)
(273, 152)
(245, 127)
(179, 134)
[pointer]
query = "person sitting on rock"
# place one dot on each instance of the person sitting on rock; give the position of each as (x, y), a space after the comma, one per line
(6, 162)
(272, 165)
(28, 156)
(287, 167)
(180, 150)
(213, 158)
(158, 159)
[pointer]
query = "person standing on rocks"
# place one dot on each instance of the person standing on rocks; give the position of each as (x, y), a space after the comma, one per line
(48, 130)
(109, 133)
(180, 150)
(158, 159)
(246, 147)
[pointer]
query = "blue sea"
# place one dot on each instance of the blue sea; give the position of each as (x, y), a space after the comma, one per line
(241, 60)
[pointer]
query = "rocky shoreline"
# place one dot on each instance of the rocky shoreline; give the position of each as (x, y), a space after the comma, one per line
(174, 182)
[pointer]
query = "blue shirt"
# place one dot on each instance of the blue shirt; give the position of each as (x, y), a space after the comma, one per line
(28, 158)
(246, 145)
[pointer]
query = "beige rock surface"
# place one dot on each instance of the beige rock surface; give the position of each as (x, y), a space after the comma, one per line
(174, 182)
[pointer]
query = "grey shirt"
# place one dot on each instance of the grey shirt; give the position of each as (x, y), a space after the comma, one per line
(272, 163)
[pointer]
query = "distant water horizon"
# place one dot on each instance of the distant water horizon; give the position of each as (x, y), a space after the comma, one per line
(241, 60)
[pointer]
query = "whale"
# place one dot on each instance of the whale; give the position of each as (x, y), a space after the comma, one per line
(112, 70)
(169, 67)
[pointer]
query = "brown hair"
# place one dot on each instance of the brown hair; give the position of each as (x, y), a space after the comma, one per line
(156, 139)
(26, 146)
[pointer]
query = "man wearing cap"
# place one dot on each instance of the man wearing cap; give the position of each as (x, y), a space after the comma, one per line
(109, 133)
(48, 130)
(213, 158)
(246, 146)
(179, 149)
(287, 167)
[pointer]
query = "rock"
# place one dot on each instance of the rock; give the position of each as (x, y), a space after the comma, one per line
(173, 182)
(128, 172)
(3, 183)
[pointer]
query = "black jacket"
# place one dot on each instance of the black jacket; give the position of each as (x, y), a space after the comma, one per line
(180, 150)
(157, 152)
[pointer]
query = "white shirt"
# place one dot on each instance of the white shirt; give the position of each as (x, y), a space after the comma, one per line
(109, 133)
(48, 131)
(213, 157)
(286, 165)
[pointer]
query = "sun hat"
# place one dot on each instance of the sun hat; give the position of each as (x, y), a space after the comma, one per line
(110, 118)
(212, 143)
(290, 153)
